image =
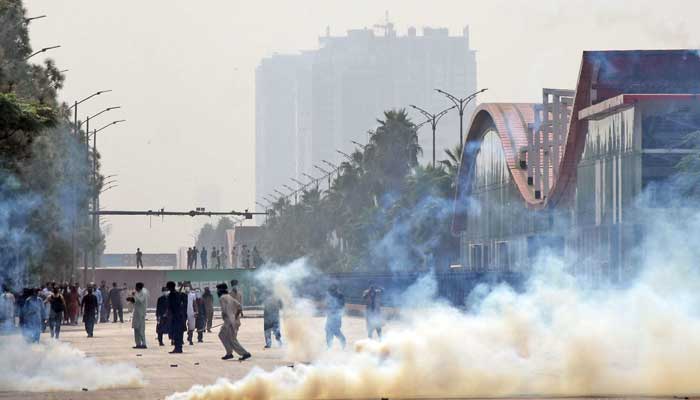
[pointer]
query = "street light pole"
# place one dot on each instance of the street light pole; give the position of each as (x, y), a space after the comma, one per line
(461, 104)
(325, 172)
(314, 180)
(96, 194)
(433, 119)
(45, 49)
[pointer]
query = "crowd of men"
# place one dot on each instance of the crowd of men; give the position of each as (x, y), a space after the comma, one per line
(180, 309)
(217, 256)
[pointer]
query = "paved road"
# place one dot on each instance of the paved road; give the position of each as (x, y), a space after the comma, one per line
(113, 342)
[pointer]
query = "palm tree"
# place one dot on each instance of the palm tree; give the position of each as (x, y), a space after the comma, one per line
(393, 150)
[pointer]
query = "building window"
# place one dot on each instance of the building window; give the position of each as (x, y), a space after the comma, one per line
(502, 258)
(476, 257)
(487, 256)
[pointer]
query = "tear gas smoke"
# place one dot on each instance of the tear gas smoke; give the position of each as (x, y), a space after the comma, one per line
(558, 337)
(302, 332)
(57, 366)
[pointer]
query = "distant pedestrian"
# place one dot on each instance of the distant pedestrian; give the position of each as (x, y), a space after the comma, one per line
(373, 310)
(57, 306)
(139, 258)
(201, 316)
(236, 292)
(189, 258)
(203, 256)
(104, 306)
(335, 306)
(7, 310)
(208, 307)
(138, 320)
(271, 320)
(32, 315)
(221, 258)
(73, 304)
(162, 325)
(90, 311)
(231, 312)
(191, 313)
(195, 253)
(115, 299)
(100, 299)
(177, 316)
(214, 255)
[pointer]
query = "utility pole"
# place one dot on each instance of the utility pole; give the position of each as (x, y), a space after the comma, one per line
(433, 119)
(461, 104)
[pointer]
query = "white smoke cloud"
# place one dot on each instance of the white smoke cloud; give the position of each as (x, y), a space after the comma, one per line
(560, 336)
(57, 366)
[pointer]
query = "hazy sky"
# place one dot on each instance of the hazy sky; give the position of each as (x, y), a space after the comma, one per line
(183, 71)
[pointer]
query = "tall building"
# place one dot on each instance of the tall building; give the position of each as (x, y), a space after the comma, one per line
(310, 104)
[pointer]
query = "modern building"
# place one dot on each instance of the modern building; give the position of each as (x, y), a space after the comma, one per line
(312, 103)
(566, 174)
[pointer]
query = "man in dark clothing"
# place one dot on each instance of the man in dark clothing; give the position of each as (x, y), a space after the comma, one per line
(195, 253)
(208, 307)
(204, 258)
(104, 311)
(177, 316)
(115, 299)
(189, 258)
(335, 305)
(162, 325)
(89, 308)
(139, 258)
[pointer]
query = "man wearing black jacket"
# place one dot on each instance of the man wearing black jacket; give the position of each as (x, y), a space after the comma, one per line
(90, 311)
(162, 325)
(177, 316)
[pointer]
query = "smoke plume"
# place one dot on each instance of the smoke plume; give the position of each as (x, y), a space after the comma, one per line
(56, 366)
(558, 337)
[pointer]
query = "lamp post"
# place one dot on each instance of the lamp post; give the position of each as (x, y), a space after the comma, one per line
(300, 183)
(344, 154)
(45, 49)
(433, 119)
(325, 172)
(359, 144)
(461, 104)
(96, 194)
(314, 180)
(74, 107)
(291, 191)
(30, 19)
(330, 164)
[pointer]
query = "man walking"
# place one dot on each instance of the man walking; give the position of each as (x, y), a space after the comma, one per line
(139, 258)
(231, 313)
(208, 307)
(191, 313)
(373, 310)
(335, 305)
(32, 316)
(104, 306)
(221, 255)
(177, 316)
(195, 253)
(271, 320)
(115, 299)
(138, 318)
(7, 310)
(57, 306)
(162, 325)
(90, 310)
